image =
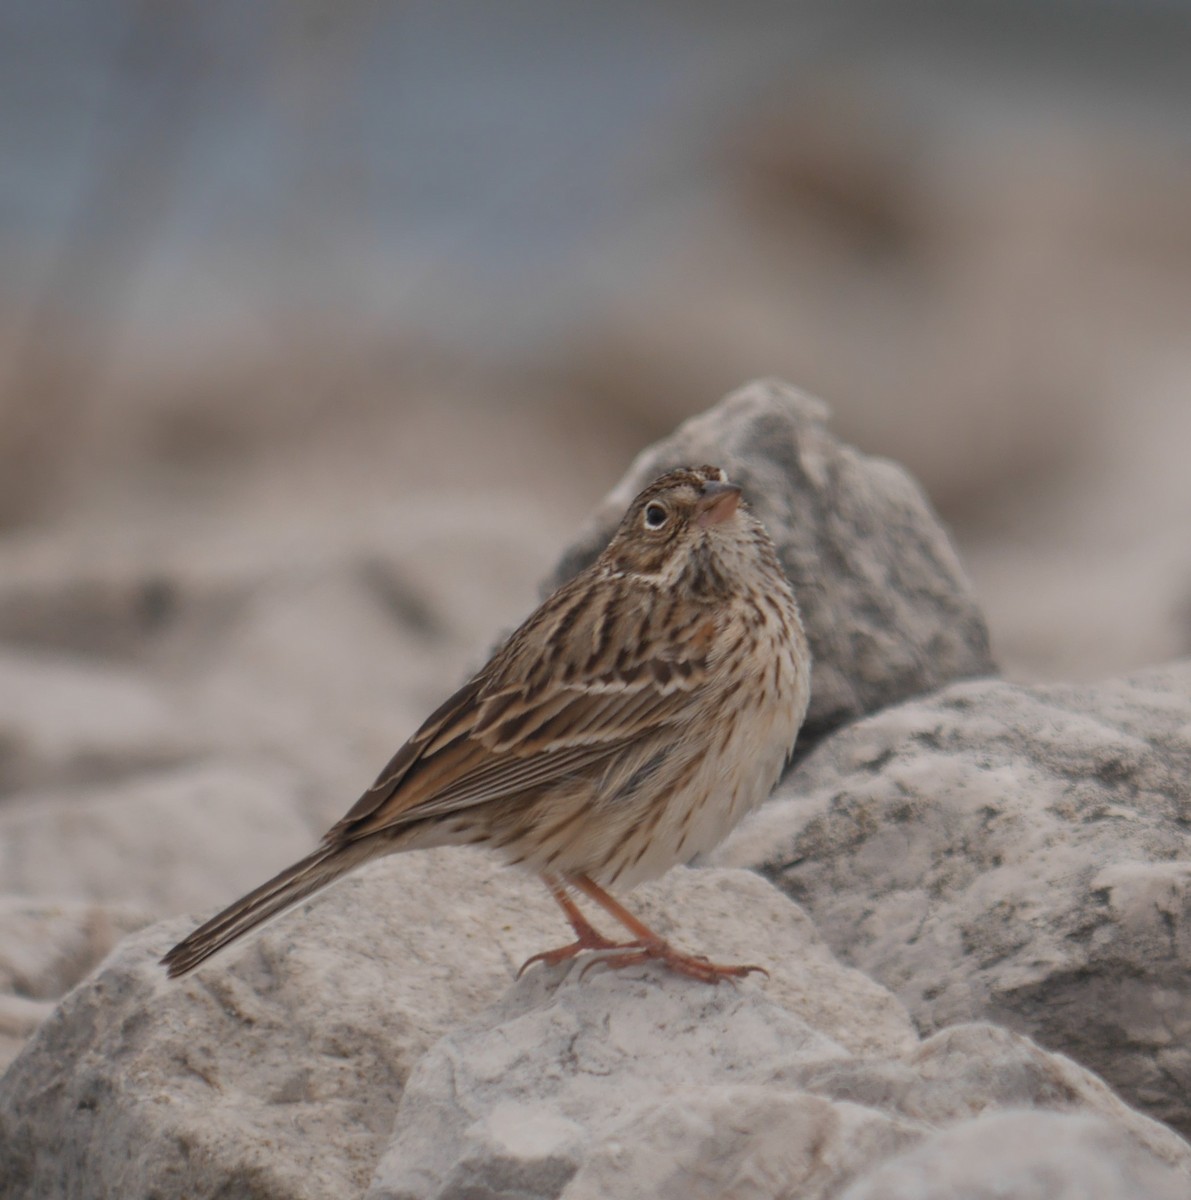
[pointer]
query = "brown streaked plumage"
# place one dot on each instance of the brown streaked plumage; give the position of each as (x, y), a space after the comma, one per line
(626, 726)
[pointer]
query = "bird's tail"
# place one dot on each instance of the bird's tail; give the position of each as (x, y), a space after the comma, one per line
(283, 891)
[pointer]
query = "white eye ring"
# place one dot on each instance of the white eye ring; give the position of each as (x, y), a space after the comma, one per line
(655, 516)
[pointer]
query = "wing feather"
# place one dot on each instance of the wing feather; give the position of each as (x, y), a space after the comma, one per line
(516, 727)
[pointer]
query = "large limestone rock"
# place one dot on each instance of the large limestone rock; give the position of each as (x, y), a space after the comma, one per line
(634, 1083)
(643, 1088)
(888, 609)
(372, 1041)
(820, 1122)
(277, 1068)
(1017, 854)
(1053, 1157)
(45, 949)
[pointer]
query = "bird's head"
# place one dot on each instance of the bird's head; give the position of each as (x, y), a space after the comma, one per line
(684, 514)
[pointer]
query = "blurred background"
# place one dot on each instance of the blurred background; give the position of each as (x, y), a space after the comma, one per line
(409, 283)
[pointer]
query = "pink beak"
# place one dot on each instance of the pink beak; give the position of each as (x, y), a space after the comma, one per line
(718, 502)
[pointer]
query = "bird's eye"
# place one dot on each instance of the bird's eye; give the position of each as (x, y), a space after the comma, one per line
(655, 516)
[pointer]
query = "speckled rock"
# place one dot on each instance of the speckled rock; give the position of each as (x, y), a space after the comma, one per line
(46, 947)
(1016, 854)
(1028, 1156)
(276, 1069)
(649, 1087)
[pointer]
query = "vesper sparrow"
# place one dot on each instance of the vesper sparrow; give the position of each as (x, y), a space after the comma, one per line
(628, 725)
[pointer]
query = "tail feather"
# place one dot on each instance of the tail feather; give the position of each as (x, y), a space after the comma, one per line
(283, 891)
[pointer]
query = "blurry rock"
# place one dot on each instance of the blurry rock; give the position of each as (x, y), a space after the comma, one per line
(45, 949)
(956, 352)
(1094, 578)
(1028, 1156)
(316, 670)
(19, 1017)
(886, 604)
(751, 1142)
(320, 639)
(66, 721)
(348, 631)
(975, 302)
(1019, 854)
(169, 842)
(113, 610)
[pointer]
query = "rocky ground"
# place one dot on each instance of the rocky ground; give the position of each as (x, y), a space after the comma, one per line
(972, 896)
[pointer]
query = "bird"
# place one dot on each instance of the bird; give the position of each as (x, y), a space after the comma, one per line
(628, 725)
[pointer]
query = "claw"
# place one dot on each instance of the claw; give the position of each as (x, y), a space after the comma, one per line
(646, 946)
(589, 940)
(631, 952)
(693, 966)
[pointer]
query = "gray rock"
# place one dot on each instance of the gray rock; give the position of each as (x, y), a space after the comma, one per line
(1016, 854)
(277, 1068)
(747, 1142)
(647, 1087)
(376, 1026)
(168, 842)
(637, 1083)
(108, 600)
(888, 609)
(964, 1071)
(736, 916)
(273, 1072)
(45, 949)
(64, 722)
(1026, 1156)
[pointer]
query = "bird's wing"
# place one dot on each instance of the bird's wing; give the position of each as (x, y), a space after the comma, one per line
(553, 702)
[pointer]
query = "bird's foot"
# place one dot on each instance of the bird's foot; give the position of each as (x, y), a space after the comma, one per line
(693, 966)
(588, 939)
(647, 946)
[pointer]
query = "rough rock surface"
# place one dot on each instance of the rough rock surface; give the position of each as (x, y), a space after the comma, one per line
(274, 1071)
(1053, 1157)
(638, 1081)
(45, 949)
(375, 1035)
(651, 1088)
(1016, 854)
(887, 607)
(249, 1073)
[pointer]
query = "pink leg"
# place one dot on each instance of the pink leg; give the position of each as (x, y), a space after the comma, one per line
(587, 937)
(646, 944)
(649, 945)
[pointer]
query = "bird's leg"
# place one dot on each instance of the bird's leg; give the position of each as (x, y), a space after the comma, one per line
(587, 937)
(649, 945)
